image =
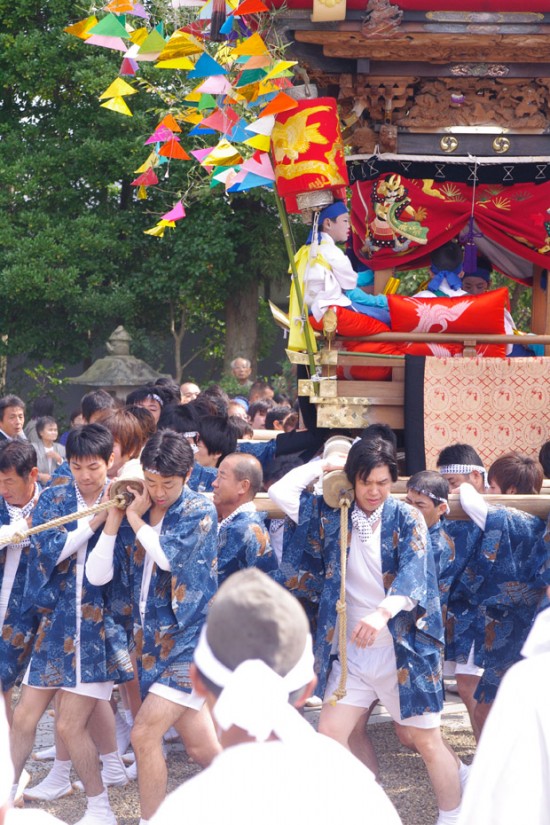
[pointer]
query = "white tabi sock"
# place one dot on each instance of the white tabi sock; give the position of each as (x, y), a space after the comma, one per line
(114, 771)
(143, 822)
(98, 804)
(56, 784)
(128, 716)
(463, 773)
(448, 817)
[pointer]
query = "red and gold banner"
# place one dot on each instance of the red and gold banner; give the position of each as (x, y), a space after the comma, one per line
(308, 151)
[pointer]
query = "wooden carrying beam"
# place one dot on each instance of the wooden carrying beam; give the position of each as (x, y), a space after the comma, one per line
(535, 505)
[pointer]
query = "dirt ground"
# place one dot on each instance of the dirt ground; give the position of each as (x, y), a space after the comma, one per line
(403, 776)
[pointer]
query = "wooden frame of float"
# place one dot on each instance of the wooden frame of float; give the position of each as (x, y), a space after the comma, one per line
(356, 404)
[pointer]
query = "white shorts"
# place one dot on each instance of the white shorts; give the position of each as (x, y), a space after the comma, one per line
(95, 690)
(462, 668)
(372, 674)
(179, 697)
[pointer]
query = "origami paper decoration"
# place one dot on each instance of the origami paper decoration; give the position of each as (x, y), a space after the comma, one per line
(161, 133)
(118, 104)
(148, 178)
(159, 230)
(251, 76)
(223, 120)
(175, 63)
(118, 88)
(82, 28)
(139, 11)
(280, 67)
(206, 102)
(139, 35)
(172, 149)
(259, 61)
(180, 44)
(109, 26)
(262, 126)
(253, 45)
(154, 43)
(281, 103)
(142, 193)
(215, 85)
(175, 214)
(250, 7)
(119, 6)
(128, 67)
(200, 154)
(170, 122)
(151, 161)
(115, 43)
(207, 66)
(224, 154)
(250, 181)
(259, 164)
(261, 142)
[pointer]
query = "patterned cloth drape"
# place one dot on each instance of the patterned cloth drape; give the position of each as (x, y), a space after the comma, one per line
(398, 221)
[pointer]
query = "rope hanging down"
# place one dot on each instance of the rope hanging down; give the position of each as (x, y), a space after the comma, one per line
(344, 504)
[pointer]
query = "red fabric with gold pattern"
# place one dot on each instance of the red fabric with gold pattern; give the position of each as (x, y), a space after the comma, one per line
(352, 324)
(316, 162)
(454, 350)
(465, 313)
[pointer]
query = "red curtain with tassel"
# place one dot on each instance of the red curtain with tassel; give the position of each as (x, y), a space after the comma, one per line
(398, 221)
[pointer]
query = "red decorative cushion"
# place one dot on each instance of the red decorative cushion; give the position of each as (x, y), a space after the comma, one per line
(350, 372)
(464, 314)
(352, 324)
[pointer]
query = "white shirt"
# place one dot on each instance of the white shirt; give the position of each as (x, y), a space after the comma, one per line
(364, 574)
(324, 285)
(314, 780)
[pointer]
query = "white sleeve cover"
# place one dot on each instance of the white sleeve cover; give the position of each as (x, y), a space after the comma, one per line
(76, 538)
(286, 492)
(150, 542)
(474, 505)
(99, 567)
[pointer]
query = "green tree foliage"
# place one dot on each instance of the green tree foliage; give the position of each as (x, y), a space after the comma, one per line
(75, 261)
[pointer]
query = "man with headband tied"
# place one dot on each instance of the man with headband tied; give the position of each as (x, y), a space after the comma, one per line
(254, 665)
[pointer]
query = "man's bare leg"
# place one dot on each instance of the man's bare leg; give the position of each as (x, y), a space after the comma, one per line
(467, 685)
(198, 733)
(74, 713)
(441, 763)
(339, 721)
(26, 716)
(481, 713)
(7, 702)
(155, 717)
(360, 742)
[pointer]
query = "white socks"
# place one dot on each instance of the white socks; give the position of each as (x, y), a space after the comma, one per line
(113, 772)
(448, 817)
(463, 773)
(55, 785)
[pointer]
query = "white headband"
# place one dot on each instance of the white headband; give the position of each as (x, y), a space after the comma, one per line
(254, 697)
(152, 470)
(460, 469)
(431, 496)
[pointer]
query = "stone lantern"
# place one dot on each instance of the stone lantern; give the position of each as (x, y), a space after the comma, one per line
(119, 372)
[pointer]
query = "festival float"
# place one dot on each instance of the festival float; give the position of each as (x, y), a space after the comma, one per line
(436, 118)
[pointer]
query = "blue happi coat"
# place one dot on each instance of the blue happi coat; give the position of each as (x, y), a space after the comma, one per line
(502, 585)
(407, 569)
(201, 478)
(244, 542)
(50, 590)
(178, 599)
(18, 631)
(264, 451)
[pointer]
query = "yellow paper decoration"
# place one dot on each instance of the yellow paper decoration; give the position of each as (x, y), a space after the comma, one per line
(150, 163)
(176, 63)
(117, 104)
(142, 193)
(118, 88)
(139, 35)
(81, 29)
(251, 46)
(261, 142)
(280, 67)
(180, 44)
(224, 154)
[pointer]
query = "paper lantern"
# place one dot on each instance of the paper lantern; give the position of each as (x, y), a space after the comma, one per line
(308, 153)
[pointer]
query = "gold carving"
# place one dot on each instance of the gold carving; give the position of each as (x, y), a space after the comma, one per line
(501, 144)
